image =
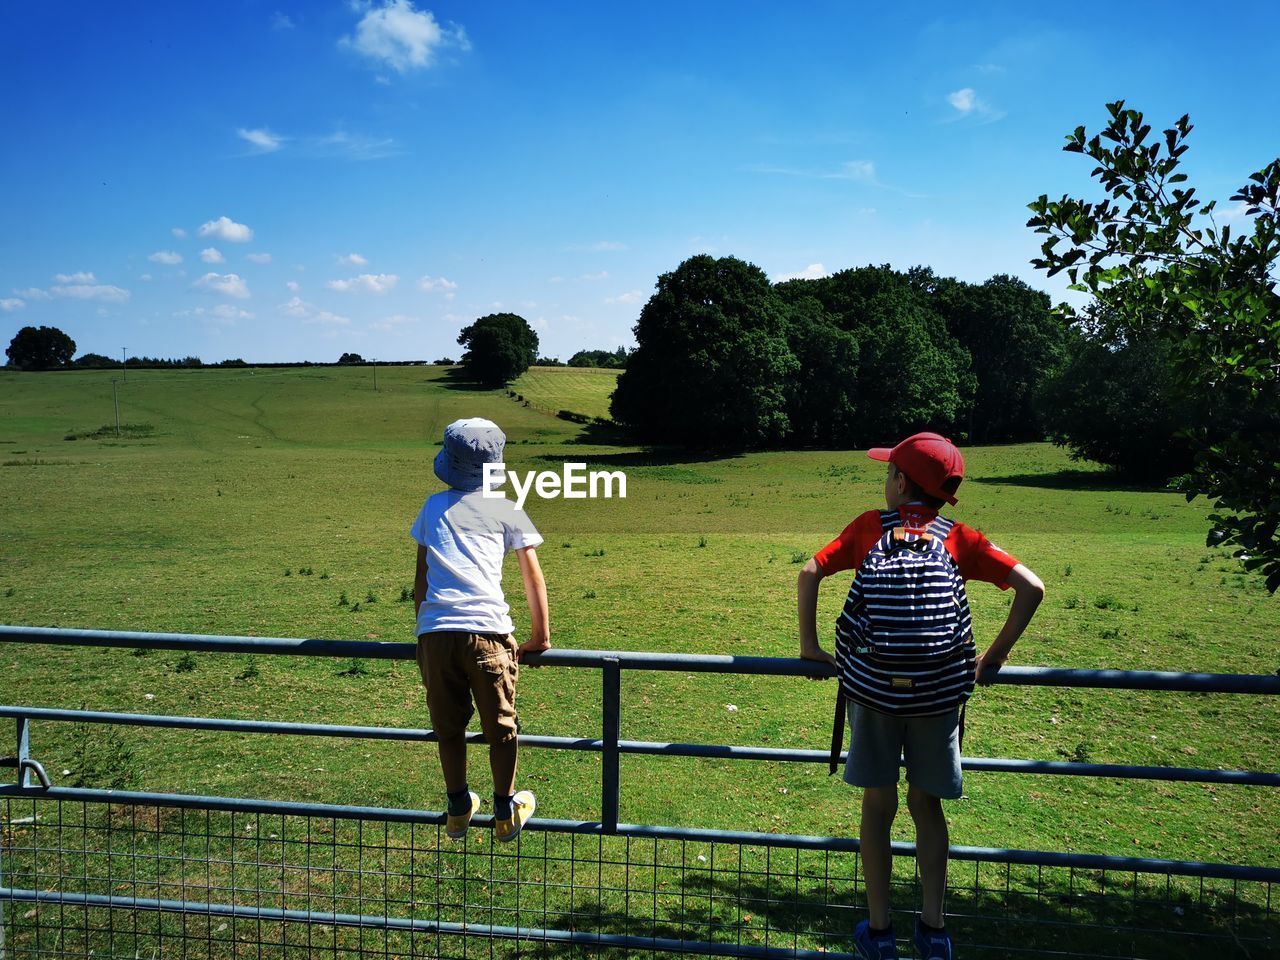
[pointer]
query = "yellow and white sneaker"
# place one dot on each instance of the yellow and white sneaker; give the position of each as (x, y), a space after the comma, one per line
(455, 827)
(522, 806)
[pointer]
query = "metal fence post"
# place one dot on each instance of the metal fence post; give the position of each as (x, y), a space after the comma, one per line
(24, 751)
(611, 676)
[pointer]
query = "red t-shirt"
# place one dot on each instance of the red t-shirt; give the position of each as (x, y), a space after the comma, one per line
(976, 556)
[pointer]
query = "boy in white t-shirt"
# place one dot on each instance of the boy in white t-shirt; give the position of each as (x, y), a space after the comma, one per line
(465, 648)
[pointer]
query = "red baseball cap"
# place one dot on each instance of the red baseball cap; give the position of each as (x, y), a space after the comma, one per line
(929, 460)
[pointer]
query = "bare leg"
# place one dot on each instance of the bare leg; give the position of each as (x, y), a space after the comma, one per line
(932, 841)
(502, 762)
(879, 806)
(453, 762)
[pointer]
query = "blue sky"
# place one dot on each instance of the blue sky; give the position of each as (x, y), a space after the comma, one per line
(285, 181)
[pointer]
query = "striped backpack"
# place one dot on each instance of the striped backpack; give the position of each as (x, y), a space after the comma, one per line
(904, 641)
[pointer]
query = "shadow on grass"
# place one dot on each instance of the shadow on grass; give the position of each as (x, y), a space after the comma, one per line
(455, 378)
(1095, 480)
(647, 457)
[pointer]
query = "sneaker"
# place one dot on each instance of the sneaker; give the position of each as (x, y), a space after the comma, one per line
(455, 827)
(933, 946)
(880, 947)
(522, 807)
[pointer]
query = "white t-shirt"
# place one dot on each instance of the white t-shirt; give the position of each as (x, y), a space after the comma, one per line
(466, 536)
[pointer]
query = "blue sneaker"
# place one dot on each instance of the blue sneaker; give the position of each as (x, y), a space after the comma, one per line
(880, 947)
(932, 946)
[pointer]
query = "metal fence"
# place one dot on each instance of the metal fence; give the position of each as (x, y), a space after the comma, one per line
(135, 874)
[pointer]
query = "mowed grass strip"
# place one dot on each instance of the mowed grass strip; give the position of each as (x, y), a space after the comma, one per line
(582, 390)
(277, 502)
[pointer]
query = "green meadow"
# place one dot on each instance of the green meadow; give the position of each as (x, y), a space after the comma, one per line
(277, 502)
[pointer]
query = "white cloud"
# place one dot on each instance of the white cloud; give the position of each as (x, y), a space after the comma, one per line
(228, 284)
(291, 285)
(352, 260)
(167, 257)
(814, 271)
(178, 232)
(10, 304)
(352, 146)
(396, 35)
(223, 313)
(437, 285)
(258, 257)
(365, 283)
(81, 277)
(863, 171)
(631, 296)
(145, 278)
(262, 139)
(600, 246)
(602, 275)
(281, 21)
(390, 323)
(211, 255)
(301, 310)
(33, 293)
(967, 103)
(224, 228)
(1238, 212)
(101, 292)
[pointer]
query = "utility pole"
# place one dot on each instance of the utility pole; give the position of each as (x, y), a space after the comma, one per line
(115, 399)
(124, 362)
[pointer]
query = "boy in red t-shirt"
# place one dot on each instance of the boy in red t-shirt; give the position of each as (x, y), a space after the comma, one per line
(924, 472)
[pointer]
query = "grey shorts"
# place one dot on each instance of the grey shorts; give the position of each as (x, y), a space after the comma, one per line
(931, 746)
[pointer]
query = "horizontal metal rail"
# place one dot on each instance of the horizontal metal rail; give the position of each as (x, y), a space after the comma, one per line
(411, 924)
(596, 659)
(638, 747)
(1034, 858)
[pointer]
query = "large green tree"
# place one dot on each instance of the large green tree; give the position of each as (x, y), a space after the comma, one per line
(712, 365)
(40, 348)
(1160, 265)
(500, 347)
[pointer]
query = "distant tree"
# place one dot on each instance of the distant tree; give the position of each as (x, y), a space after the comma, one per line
(609, 359)
(94, 361)
(351, 358)
(40, 348)
(1208, 292)
(237, 362)
(823, 402)
(712, 366)
(443, 362)
(1120, 404)
(1016, 343)
(549, 362)
(500, 347)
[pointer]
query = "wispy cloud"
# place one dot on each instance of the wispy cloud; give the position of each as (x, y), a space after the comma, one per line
(630, 297)
(393, 322)
(438, 285)
(397, 35)
(224, 228)
(365, 283)
(10, 304)
(299, 309)
(352, 260)
(258, 257)
(211, 255)
(814, 271)
(227, 284)
(281, 21)
(262, 139)
(78, 277)
(223, 314)
(167, 257)
(178, 232)
(860, 171)
(968, 105)
(593, 277)
(99, 292)
(600, 246)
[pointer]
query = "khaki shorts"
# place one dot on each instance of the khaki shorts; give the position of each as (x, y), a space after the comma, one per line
(457, 667)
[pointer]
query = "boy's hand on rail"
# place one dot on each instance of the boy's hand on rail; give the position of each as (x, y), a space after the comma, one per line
(988, 667)
(821, 656)
(531, 646)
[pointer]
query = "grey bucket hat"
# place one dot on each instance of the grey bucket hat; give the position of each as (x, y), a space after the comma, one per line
(468, 445)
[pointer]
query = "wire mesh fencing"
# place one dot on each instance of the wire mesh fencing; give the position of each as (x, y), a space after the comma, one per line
(82, 878)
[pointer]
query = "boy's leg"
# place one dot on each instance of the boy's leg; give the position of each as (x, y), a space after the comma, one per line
(448, 703)
(492, 674)
(932, 750)
(932, 843)
(879, 806)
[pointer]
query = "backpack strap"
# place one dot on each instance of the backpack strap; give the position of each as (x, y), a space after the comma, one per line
(837, 731)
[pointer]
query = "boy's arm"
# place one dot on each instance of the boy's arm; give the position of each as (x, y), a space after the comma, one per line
(807, 607)
(1028, 592)
(420, 580)
(535, 591)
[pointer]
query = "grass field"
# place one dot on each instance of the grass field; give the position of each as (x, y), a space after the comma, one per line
(583, 390)
(258, 501)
